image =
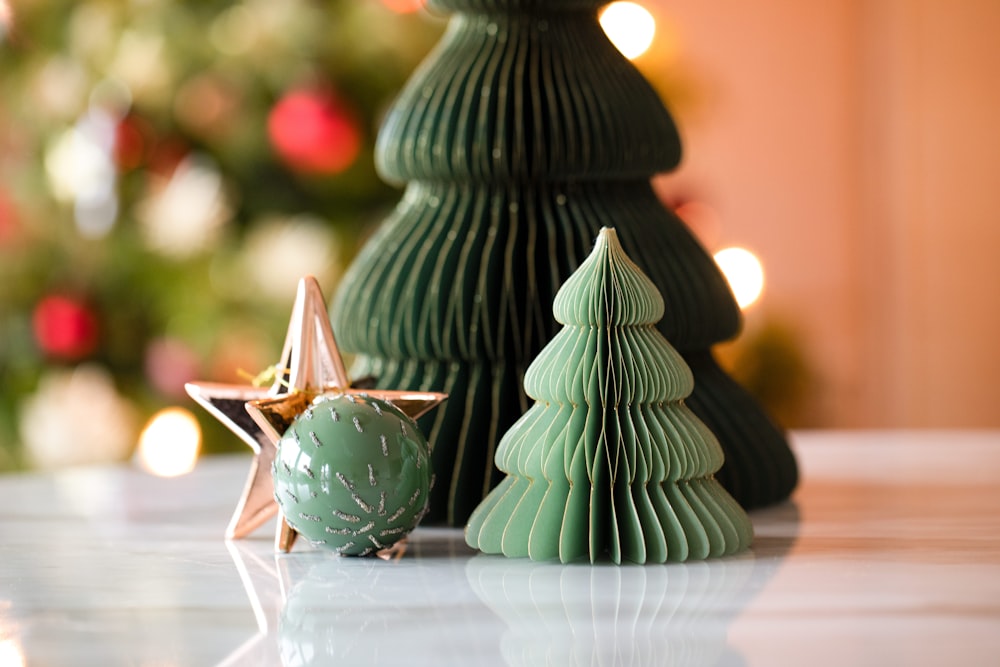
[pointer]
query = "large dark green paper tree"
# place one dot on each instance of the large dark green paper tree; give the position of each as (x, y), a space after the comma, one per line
(523, 133)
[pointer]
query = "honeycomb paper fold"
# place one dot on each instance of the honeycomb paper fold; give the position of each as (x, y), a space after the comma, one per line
(609, 462)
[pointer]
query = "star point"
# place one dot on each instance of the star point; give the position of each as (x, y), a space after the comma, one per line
(227, 403)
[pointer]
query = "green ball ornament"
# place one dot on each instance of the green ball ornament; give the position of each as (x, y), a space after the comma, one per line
(352, 473)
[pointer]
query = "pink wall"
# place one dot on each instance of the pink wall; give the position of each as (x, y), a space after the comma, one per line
(854, 145)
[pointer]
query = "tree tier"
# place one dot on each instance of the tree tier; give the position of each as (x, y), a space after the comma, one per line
(631, 444)
(463, 273)
(608, 368)
(507, 98)
(608, 290)
(618, 515)
(760, 468)
(654, 523)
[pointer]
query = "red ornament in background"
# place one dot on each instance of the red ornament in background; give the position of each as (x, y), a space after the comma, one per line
(64, 327)
(314, 133)
(132, 142)
(138, 145)
(165, 154)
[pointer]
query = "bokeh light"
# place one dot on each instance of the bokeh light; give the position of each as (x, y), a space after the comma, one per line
(169, 444)
(630, 27)
(235, 30)
(188, 213)
(76, 416)
(10, 652)
(280, 250)
(744, 272)
(81, 170)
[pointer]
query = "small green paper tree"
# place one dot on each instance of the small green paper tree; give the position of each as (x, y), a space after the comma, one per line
(609, 462)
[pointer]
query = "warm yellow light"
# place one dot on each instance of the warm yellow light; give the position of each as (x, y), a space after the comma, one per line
(170, 442)
(744, 272)
(10, 654)
(630, 27)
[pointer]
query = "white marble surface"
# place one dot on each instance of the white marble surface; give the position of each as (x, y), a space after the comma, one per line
(888, 554)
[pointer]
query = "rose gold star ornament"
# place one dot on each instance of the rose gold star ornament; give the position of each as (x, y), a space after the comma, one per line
(310, 365)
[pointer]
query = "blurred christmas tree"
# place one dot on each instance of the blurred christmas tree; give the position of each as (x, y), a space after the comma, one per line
(168, 170)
